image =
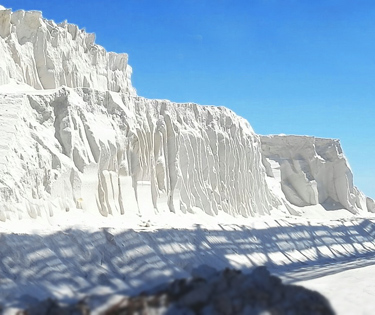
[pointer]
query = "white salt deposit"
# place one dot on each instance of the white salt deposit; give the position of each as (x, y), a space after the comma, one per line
(111, 153)
(104, 192)
(46, 55)
(312, 171)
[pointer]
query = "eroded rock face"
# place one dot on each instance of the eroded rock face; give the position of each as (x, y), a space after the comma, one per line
(46, 55)
(110, 153)
(312, 171)
(99, 147)
(85, 140)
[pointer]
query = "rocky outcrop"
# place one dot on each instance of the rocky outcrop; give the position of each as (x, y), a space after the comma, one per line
(46, 55)
(313, 171)
(228, 292)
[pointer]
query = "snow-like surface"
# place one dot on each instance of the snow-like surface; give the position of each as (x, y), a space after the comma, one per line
(111, 153)
(104, 192)
(349, 292)
(96, 146)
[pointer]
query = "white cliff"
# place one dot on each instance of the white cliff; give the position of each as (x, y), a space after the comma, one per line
(313, 171)
(113, 153)
(46, 55)
(80, 138)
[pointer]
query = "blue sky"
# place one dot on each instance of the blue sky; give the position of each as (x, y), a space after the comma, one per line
(288, 66)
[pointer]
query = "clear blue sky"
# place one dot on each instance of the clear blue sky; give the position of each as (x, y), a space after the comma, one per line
(288, 66)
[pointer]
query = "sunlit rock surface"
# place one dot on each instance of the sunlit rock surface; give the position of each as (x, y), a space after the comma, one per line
(313, 171)
(111, 153)
(46, 55)
(74, 135)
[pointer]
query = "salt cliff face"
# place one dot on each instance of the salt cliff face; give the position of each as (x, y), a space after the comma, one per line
(313, 171)
(86, 141)
(113, 153)
(46, 55)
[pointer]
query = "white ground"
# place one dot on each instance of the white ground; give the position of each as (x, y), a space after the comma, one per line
(74, 256)
(350, 292)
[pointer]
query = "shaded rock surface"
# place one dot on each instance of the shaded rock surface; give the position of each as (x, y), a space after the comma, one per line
(226, 292)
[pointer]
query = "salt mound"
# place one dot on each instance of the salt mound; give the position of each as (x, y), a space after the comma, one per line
(112, 154)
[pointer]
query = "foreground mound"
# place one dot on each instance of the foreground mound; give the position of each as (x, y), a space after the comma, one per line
(211, 292)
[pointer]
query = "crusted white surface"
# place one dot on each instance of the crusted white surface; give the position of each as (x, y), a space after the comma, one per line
(88, 142)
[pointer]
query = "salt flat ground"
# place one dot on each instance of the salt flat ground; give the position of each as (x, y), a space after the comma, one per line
(74, 255)
(349, 292)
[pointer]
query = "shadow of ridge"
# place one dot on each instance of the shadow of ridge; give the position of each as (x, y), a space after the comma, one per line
(73, 263)
(324, 269)
(209, 290)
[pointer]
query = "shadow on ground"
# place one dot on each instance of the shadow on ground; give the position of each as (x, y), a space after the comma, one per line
(71, 264)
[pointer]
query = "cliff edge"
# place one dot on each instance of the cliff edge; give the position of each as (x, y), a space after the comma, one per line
(46, 55)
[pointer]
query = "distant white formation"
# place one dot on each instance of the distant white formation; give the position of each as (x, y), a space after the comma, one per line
(313, 171)
(79, 137)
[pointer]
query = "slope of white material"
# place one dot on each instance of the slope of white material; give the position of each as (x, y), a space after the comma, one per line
(112, 153)
(46, 55)
(313, 171)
